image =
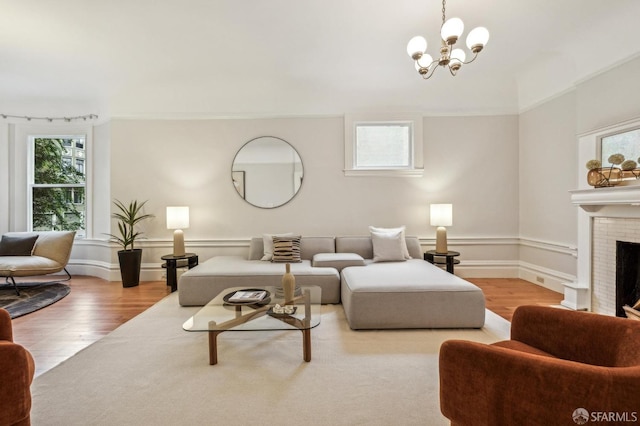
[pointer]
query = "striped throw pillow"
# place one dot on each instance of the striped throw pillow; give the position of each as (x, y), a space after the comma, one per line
(286, 249)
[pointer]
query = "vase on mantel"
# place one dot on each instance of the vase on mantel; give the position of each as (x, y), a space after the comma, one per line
(604, 177)
(288, 284)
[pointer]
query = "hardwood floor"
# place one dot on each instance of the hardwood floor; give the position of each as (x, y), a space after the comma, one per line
(504, 295)
(95, 307)
(92, 310)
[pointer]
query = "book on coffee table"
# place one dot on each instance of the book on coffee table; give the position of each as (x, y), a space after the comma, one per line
(248, 296)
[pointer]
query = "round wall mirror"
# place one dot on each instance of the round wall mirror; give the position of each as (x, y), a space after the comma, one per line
(267, 172)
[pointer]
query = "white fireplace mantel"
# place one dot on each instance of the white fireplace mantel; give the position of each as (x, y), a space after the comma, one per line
(595, 198)
(611, 202)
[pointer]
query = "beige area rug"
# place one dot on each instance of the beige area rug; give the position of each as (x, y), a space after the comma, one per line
(151, 372)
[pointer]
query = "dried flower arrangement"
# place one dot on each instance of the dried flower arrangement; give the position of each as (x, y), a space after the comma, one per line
(604, 177)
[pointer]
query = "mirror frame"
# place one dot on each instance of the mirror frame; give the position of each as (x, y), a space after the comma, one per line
(238, 173)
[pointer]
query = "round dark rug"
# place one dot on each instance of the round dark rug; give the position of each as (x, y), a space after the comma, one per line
(33, 296)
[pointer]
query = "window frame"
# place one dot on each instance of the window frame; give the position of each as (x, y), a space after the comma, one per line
(416, 160)
(31, 138)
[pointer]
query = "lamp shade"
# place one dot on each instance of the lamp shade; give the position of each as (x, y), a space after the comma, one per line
(478, 36)
(416, 46)
(177, 217)
(453, 28)
(441, 214)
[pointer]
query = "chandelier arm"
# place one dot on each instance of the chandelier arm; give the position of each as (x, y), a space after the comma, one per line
(453, 73)
(475, 55)
(430, 73)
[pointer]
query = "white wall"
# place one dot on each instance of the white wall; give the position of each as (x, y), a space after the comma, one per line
(469, 161)
(548, 151)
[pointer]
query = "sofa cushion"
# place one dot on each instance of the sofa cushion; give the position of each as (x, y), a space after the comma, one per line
(400, 229)
(267, 243)
(363, 246)
(338, 261)
(286, 249)
(26, 266)
(309, 246)
(17, 245)
(388, 246)
(55, 245)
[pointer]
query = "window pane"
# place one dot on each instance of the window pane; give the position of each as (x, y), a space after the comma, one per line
(54, 163)
(58, 209)
(627, 144)
(383, 145)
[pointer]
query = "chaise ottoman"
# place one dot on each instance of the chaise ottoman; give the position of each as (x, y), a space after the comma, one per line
(409, 294)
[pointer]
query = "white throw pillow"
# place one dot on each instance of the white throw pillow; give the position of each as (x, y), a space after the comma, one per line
(405, 250)
(267, 241)
(387, 246)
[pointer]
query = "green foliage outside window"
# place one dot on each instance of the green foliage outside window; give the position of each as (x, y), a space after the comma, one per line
(57, 207)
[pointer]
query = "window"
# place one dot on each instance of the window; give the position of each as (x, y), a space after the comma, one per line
(383, 145)
(57, 182)
(626, 143)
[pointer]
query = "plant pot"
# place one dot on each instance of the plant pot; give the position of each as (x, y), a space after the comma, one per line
(130, 263)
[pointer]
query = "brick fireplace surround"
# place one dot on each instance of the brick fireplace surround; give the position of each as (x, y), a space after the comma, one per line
(606, 215)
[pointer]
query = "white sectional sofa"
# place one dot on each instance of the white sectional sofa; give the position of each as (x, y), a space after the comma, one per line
(375, 295)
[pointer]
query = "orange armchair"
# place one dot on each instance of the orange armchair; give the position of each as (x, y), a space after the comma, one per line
(557, 361)
(16, 374)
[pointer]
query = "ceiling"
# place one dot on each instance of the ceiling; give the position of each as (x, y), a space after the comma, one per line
(237, 58)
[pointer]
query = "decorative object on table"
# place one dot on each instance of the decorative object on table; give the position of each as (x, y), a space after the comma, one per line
(234, 298)
(288, 284)
(441, 216)
(450, 31)
(618, 171)
(279, 311)
(178, 219)
(130, 258)
(248, 296)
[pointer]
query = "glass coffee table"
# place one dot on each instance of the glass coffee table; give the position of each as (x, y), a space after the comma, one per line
(222, 315)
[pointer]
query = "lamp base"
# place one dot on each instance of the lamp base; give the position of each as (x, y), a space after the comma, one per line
(178, 242)
(441, 240)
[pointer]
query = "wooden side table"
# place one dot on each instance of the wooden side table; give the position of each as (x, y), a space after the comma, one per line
(434, 257)
(172, 264)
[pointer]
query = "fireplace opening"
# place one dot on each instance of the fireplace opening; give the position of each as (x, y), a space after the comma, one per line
(627, 275)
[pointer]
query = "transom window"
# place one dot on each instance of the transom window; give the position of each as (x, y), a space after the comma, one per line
(57, 184)
(383, 146)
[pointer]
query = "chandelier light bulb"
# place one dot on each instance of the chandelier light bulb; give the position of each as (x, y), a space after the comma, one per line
(424, 61)
(477, 39)
(458, 55)
(416, 47)
(452, 30)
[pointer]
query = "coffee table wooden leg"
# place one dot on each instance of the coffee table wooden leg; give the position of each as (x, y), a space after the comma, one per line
(306, 344)
(213, 347)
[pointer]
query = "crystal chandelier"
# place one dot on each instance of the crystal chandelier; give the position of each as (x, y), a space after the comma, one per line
(451, 58)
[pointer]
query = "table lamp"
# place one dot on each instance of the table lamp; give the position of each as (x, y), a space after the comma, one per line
(441, 216)
(178, 219)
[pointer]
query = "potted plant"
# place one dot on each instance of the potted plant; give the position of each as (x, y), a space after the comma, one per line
(130, 258)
